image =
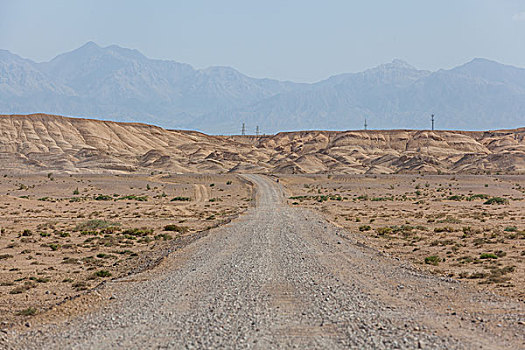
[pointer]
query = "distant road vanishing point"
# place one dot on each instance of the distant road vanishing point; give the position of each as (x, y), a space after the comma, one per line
(283, 277)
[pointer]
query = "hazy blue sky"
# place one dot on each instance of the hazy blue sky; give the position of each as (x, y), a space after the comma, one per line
(299, 40)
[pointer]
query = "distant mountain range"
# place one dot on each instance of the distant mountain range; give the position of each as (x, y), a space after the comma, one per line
(123, 85)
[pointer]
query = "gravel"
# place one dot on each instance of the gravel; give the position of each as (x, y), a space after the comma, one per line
(282, 277)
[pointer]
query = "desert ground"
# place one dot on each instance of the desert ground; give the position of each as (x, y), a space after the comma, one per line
(63, 235)
(281, 276)
(129, 235)
(468, 227)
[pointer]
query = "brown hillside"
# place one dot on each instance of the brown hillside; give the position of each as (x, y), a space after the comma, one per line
(42, 143)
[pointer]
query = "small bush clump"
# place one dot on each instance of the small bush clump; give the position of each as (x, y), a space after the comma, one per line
(181, 199)
(103, 273)
(103, 197)
(175, 228)
(432, 260)
(496, 200)
(30, 311)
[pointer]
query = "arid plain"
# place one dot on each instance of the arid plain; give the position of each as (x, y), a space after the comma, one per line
(83, 202)
(468, 227)
(63, 235)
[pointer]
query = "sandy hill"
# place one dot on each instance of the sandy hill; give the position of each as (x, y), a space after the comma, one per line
(48, 143)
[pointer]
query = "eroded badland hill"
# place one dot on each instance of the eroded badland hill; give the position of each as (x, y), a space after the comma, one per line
(48, 143)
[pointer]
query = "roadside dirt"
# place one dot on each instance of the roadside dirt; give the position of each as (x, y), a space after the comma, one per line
(64, 235)
(283, 277)
(443, 224)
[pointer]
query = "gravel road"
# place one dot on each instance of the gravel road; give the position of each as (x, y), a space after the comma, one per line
(282, 277)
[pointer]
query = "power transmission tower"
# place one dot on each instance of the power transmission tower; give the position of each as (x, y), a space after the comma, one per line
(257, 130)
(243, 130)
(366, 125)
(432, 118)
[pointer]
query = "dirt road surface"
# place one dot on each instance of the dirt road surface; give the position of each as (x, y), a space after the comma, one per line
(282, 277)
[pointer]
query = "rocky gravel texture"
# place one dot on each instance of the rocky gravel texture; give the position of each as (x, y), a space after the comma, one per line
(283, 277)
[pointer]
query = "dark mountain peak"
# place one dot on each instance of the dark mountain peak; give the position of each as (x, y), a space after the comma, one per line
(480, 63)
(395, 65)
(125, 52)
(222, 71)
(482, 68)
(89, 45)
(88, 48)
(8, 56)
(398, 63)
(91, 50)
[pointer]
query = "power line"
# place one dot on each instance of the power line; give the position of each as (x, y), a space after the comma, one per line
(432, 118)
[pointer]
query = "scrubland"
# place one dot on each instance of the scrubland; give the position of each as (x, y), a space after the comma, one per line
(467, 227)
(63, 235)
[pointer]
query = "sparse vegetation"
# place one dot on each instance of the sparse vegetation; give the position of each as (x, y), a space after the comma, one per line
(488, 256)
(30, 311)
(497, 200)
(175, 228)
(103, 273)
(181, 199)
(444, 226)
(432, 260)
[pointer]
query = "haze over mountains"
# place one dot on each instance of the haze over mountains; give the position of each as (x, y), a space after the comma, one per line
(123, 85)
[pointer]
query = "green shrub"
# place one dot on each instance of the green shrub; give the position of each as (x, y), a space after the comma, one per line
(488, 256)
(133, 197)
(30, 311)
(364, 228)
(496, 200)
(54, 246)
(80, 286)
(381, 199)
(95, 224)
(39, 279)
(163, 236)
(103, 197)
(477, 196)
(175, 228)
(137, 232)
(181, 199)
(383, 230)
(444, 229)
(103, 273)
(432, 260)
